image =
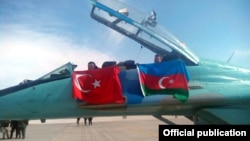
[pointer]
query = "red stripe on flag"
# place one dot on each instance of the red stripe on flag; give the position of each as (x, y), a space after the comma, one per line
(164, 82)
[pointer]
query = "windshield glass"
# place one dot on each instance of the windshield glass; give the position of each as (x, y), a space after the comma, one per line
(61, 72)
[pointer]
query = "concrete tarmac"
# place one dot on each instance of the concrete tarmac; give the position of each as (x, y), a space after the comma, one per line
(139, 128)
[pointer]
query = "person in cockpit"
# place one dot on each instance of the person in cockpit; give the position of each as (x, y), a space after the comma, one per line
(158, 58)
(91, 65)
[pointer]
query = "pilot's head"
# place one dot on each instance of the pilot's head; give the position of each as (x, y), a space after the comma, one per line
(92, 65)
(158, 58)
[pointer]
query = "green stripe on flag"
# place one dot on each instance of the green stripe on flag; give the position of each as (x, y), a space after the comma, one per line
(180, 94)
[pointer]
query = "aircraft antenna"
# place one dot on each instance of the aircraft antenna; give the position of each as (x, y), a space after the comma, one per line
(230, 57)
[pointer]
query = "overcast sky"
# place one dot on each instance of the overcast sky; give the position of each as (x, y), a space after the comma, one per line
(37, 36)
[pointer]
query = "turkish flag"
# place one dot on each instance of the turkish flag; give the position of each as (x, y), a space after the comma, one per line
(98, 86)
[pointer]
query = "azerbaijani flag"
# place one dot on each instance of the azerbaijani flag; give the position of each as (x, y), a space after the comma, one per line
(164, 78)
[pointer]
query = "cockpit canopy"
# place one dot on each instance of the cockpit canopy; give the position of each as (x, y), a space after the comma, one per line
(143, 29)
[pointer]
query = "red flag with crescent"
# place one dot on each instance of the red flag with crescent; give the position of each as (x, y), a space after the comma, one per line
(98, 86)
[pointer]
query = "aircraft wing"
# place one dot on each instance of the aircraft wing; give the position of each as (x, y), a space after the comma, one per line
(234, 115)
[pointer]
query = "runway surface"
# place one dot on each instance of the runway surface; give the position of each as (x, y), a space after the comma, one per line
(139, 128)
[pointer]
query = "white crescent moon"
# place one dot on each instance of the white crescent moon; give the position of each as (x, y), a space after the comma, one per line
(160, 82)
(77, 84)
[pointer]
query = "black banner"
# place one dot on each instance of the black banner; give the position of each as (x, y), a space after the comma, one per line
(202, 132)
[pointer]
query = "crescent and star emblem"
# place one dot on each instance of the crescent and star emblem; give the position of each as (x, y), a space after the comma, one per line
(77, 84)
(171, 81)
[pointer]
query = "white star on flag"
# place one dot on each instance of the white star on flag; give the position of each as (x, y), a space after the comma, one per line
(96, 83)
(171, 81)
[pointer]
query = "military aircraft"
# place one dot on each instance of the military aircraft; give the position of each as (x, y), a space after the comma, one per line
(219, 92)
